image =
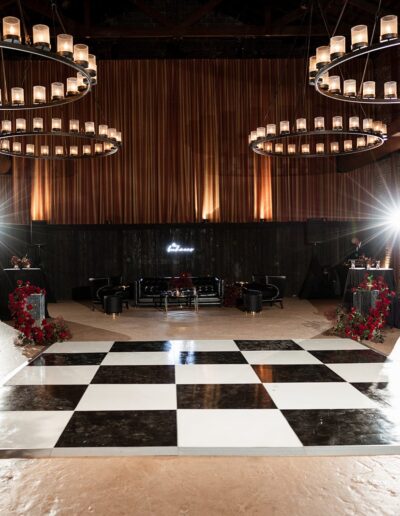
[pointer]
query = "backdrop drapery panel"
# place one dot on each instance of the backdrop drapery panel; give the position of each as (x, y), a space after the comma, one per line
(185, 155)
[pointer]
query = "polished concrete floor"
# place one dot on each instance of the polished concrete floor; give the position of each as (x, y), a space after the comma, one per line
(199, 485)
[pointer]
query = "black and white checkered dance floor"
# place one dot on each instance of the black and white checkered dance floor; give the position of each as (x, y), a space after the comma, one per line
(267, 397)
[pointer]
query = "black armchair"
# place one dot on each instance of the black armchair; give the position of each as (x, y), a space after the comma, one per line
(272, 288)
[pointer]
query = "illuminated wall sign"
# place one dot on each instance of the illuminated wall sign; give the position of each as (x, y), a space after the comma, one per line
(177, 248)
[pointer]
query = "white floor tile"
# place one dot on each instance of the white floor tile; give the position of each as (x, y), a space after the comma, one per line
(280, 357)
(80, 347)
(204, 345)
(234, 428)
(329, 344)
(32, 429)
(318, 395)
(140, 358)
(129, 397)
(54, 375)
(215, 373)
(377, 372)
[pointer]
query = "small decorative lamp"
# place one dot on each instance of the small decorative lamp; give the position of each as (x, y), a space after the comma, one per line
(301, 125)
(388, 27)
(305, 148)
(323, 56)
(354, 123)
(38, 125)
(337, 123)
(73, 126)
(72, 86)
(11, 30)
(59, 150)
(41, 36)
(360, 142)
(390, 90)
(349, 88)
(65, 45)
(5, 126)
(30, 149)
(284, 127)
(20, 125)
(320, 148)
(17, 96)
(57, 90)
(103, 131)
(39, 95)
(56, 124)
(348, 145)
(367, 124)
(81, 55)
(16, 147)
(271, 129)
(44, 150)
(312, 68)
(73, 150)
(369, 90)
(359, 37)
(319, 123)
(87, 150)
(337, 47)
(334, 147)
(89, 128)
(291, 148)
(334, 84)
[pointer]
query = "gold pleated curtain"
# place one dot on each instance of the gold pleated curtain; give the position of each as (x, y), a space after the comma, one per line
(185, 155)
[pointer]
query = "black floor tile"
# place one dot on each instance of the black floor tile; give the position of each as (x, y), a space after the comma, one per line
(384, 393)
(352, 356)
(296, 373)
(40, 397)
(345, 427)
(120, 428)
(233, 396)
(154, 345)
(210, 357)
(267, 345)
(135, 374)
(66, 359)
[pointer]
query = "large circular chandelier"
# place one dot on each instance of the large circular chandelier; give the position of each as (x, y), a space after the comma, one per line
(301, 142)
(329, 57)
(75, 57)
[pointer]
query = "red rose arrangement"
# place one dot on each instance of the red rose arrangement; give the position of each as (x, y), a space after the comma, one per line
(48, 332)
(356, 326)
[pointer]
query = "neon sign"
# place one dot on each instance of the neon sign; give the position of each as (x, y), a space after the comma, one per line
(177, 248)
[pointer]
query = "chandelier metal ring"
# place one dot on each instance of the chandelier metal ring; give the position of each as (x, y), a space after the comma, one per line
(379, 139)
(359, 99)
(88, 78)
(113, 144)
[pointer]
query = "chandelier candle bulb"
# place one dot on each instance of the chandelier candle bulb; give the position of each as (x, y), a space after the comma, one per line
(337, 123)
(359, 37)
(320, 148)
(74, 126)
(354, 123)
(103, 132)
(98, 148)
(319, 123)
(44, 150)
(20, 125)
(106, 146)
(65, 45)
(89, 128)
(11, 29)
(367, 124)
(284, 127)
(349, 88)
(59, 150)
(334, 147)
(119, 137)
(279, 148)
(41, 36)
(337, 47)
(371, 140)
(312, 68)
(16, 147)
(92, 67)
(112, 133)
(334, 84)
(389, 27)
(5, 126)
(37, 125)
(81, 55)
(39, 95)
(56, 124)
(30, 149)
(384, 130)
(73, 150)
(324, 81)
(103, 129)
(377, 126)
(87, 150)
(268, 146)
(305, 148)
(17, 96)
(260, 132)
(5, 145)
(271, 129)
(390, 90)
(291, 148)
(57, 90)
(368, 90)
(348, 145)
(360, 142)
(80, 81)
(72, 86)
(301, 125)
(323, 57)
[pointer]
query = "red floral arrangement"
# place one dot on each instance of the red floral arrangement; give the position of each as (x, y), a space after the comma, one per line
(355, 325)
(45, 334)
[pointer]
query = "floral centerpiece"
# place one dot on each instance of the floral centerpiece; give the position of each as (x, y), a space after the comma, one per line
(20, 263)
(44, 334)
(354, 325)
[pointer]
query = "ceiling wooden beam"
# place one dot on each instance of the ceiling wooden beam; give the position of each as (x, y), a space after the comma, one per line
(200, 13)
(368, 7)
(152, 13)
